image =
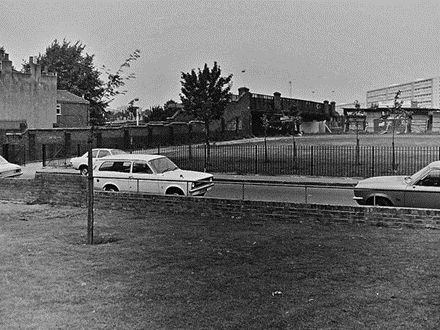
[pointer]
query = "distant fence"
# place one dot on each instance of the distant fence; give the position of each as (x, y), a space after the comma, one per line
(337, 161)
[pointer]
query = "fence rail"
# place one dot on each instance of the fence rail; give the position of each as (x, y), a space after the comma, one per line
(337, 161)
(310, 160)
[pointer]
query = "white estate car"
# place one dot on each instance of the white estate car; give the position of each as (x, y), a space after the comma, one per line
(81, 163)
(154, 174)
(8, 169)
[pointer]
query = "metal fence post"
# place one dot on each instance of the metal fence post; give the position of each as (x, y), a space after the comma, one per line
(372, 161)
(311, 160)
(6, 151)
(256, 160)
(43, 151)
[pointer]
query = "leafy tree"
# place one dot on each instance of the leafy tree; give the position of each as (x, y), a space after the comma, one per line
(169, 104)
(205, 94)
(77, 74)
(358, 113)
(397, 112)
(157, 114)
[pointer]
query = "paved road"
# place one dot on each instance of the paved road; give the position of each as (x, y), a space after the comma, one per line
(282, 193)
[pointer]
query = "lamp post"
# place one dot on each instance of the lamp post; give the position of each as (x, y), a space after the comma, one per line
(132, 107)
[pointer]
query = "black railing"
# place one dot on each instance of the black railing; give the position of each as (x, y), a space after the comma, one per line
(338, 161)
(345, 161)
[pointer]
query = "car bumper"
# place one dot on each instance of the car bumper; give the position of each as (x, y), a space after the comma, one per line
(200, 190)
(359, 200)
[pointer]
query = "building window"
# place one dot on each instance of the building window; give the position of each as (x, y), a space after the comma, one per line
(58, 109)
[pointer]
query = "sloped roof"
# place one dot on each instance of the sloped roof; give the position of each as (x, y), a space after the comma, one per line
(64, 96)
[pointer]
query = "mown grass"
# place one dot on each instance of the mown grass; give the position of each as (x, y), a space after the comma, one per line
(160, 271)
(313, 155)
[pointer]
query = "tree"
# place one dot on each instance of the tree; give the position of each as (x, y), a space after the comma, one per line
(169, 104)
(358, 113)
(77, 74)
(205, 94)
(397, 112)
(157, 114)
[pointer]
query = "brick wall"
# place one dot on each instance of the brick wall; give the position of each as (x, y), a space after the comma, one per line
(63, 189)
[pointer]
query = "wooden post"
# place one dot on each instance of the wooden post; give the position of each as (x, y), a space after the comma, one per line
(90, 201)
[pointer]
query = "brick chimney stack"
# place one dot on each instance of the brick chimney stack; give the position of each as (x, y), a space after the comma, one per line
(35, 68)
(5, 63)
(277, 101)
(242, 91)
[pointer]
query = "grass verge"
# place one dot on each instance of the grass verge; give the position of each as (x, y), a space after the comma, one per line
(162, 271)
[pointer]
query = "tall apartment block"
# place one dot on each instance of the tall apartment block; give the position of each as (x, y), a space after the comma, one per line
(423, 92)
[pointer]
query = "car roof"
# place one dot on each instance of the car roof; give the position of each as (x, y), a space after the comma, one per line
(435, 164)
(107, 149)
(144, 157)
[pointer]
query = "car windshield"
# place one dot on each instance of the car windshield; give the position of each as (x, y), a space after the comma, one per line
(3, 161)
(118, 152)
(418, 174)
(162, 165)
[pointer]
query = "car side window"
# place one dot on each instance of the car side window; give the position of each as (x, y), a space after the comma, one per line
(94, 153)
(141, 167)
(106, 166)
(431, 180)
(115, 166)
(103, 153)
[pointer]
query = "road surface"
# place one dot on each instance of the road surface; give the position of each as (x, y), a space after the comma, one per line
(282, 193)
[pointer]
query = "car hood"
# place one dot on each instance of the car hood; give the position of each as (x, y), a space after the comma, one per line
(186, 175)
(8, 167)
(383, 182)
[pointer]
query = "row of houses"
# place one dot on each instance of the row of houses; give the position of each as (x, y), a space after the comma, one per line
(381, 120)
(32, 99)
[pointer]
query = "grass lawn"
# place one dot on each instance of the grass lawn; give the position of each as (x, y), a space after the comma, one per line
(314, 155)
(172, 271)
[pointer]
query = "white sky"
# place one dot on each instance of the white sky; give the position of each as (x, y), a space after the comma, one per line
(327, 49)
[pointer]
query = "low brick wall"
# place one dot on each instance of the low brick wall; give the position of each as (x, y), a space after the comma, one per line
(52, 188)
(260, 211)
(68, 189)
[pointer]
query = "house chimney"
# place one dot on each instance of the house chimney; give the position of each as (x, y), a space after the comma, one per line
(6, 64)
(242, 91)
(35, 68)
(333, 108)
(326, 108)
(277, 101)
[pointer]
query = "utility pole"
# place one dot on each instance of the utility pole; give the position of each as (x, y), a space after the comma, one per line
(90, 199)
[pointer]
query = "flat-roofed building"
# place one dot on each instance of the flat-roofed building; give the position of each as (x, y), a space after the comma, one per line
(423, 92)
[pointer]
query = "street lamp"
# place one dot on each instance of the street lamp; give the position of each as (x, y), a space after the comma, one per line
(132, 107)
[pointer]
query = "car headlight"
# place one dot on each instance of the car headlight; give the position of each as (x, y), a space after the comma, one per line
(193, 184)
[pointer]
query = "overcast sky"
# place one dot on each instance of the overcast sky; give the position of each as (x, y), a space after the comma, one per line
(313, 50)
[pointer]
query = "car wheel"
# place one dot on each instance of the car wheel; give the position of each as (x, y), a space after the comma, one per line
(83, 170)
(175, 191)
(110, 188)
(382, 201)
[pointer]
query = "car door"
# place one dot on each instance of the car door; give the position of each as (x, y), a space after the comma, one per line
(425, 192)
(143, 179)
(113, 172)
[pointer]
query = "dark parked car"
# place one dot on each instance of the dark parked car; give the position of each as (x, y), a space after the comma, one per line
(422, 189)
